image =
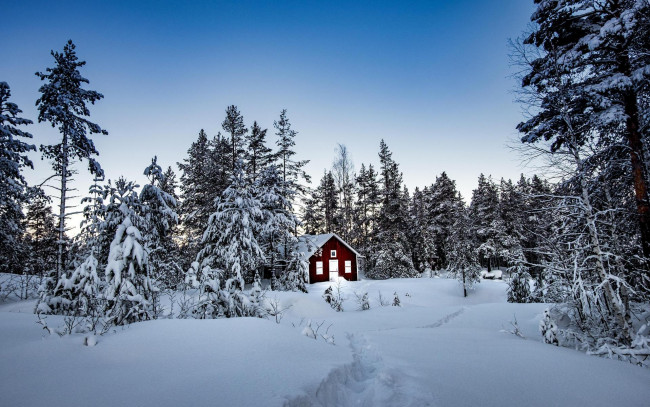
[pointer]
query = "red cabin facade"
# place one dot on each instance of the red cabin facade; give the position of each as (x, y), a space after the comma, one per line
(329, 257)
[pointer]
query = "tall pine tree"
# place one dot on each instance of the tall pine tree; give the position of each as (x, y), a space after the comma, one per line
(63, 103)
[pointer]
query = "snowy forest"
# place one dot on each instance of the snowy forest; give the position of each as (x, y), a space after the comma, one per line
(229, 212)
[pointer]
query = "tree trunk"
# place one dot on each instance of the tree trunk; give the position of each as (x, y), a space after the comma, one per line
(64, 182)
(640, 181)
(633, 137)
(464, 285)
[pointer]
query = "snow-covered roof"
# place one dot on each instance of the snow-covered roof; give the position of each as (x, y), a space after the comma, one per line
(309, 244)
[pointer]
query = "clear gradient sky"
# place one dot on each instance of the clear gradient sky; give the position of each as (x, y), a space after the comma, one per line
(429, 77)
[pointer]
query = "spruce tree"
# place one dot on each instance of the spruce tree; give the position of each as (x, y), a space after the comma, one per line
(161, 217)
(229, 240)
(129, 289)
(421, 236)
(443, 203)
(63, 103)
(40, 236)
(258, 155)
(366, 209)
(484, 213)
(278, 221)
(204, 177)
(292, 174)
(462, 256)
(393, 258)
(13, 187)
(233, 125)
(519, 284)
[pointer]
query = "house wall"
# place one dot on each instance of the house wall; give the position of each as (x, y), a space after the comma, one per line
(342, 254)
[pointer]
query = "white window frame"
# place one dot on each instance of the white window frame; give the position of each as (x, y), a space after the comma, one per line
(332, 253)
(348, 266)
(319, 268)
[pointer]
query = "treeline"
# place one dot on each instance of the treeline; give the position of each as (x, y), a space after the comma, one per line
(234, 217)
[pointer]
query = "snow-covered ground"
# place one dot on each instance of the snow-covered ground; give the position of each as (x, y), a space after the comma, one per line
(437, 349)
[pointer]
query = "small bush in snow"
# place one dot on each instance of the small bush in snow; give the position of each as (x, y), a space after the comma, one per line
(275, 309)
(312, 332)
(548, 329)
(333, 297)
(362, 301)
(396, 302)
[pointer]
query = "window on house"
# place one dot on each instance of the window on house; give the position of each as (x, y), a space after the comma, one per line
(319, 267)
(348, 266)
(332, 253)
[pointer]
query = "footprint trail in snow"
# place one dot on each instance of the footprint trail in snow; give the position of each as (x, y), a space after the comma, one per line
(365, 382)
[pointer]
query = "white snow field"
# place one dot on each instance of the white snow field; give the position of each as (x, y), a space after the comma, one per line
(436, 349)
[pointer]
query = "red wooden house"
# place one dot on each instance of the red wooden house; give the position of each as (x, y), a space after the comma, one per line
(329, 257)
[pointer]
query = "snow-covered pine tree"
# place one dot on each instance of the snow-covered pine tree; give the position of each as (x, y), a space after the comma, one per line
(313, 221)
(291, 170)
(159, 213)
(328, 204)
(392, 258)
(597, 53)
(463, 260)
(396, 302)
(588, 80)
(344, 177)
(204, 177)
(484, 213)
(366, 209)
(63, 103)
(442, 204)
(40, 236)
(258, 155)
(296, 273)
(548, 329)
(129, 290)
(519, 284)
(230, 244)
(420, 233)
(85, 287)
(257, 295)
(196, 191)
(233, 125)
(290, 188)
(13, 187)
(278, 223)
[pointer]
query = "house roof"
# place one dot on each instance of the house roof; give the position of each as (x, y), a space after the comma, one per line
(309, 244)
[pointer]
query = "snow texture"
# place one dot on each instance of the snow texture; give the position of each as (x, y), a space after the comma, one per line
(437, 349)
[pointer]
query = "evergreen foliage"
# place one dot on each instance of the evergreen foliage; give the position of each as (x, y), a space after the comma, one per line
(519, 284)
(393, 258)
(14, 192)
(129, 289)
(463, 259)
(63, 103)
(41, 235)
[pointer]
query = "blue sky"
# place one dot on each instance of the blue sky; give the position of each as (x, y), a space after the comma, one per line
(431, 78)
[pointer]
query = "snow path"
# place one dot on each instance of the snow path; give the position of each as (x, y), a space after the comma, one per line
(366, 381)
(445, 319)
